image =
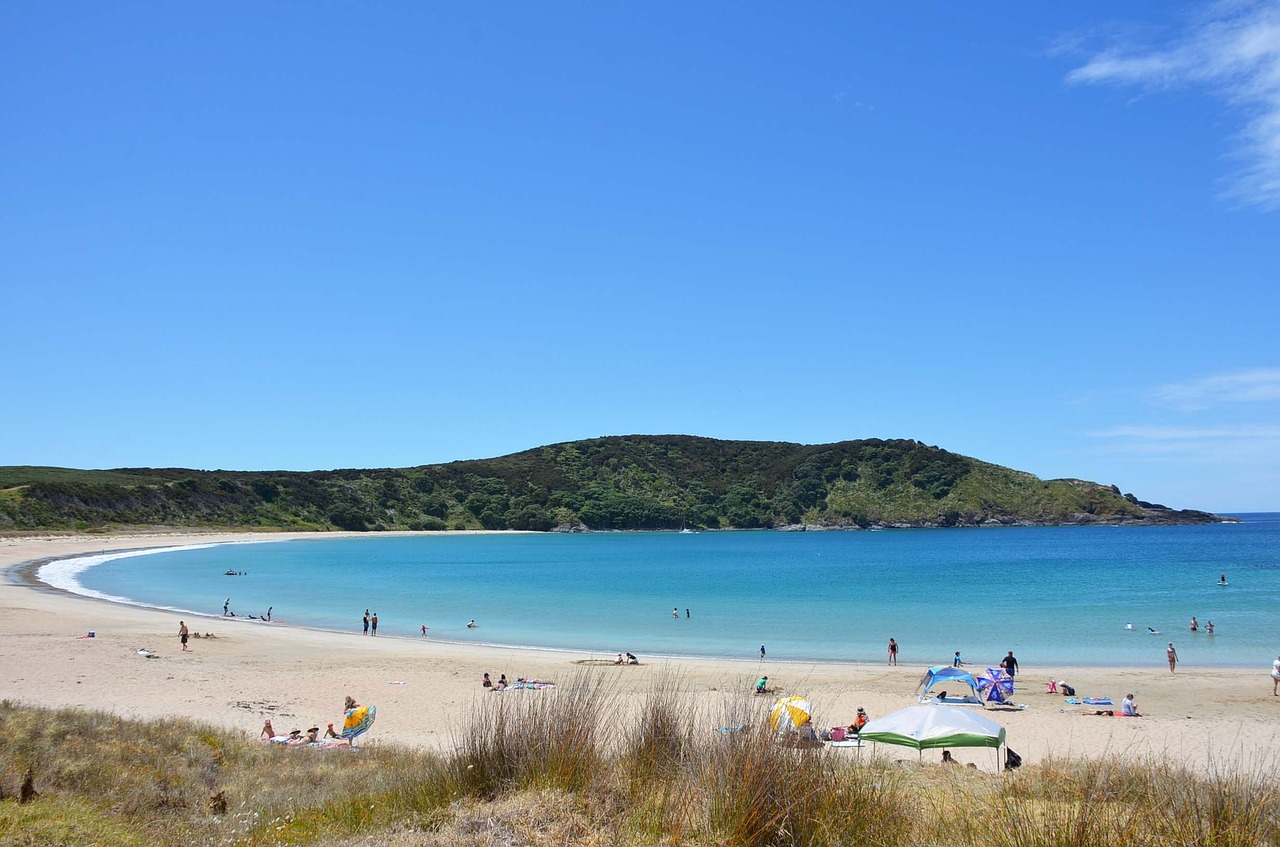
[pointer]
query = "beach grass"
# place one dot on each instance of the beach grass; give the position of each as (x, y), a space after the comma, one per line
(558, 767)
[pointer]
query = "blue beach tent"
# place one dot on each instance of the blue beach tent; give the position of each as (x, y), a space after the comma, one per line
(943, 676)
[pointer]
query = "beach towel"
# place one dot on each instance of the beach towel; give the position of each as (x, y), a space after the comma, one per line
(1098, 701)
(358, 720)
(729, 730)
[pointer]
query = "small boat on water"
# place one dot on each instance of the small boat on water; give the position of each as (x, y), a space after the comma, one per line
(229, 573)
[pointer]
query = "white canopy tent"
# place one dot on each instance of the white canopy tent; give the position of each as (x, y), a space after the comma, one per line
(930, 727)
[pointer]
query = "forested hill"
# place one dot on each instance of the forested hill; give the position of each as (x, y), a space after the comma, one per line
(624, 482)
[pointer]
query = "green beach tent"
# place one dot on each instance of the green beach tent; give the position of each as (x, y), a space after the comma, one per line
(930, 727)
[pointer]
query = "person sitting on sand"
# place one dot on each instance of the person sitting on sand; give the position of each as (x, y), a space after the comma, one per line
(502, 682)
(268, 732)
(947, 759)
(762, 685)
(313, 735)
(486, 682)
(632, 660)
(618, 660)
(1128, 708)
(859, 721)
(329, 733)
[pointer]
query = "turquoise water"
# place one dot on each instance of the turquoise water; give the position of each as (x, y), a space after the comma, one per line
(1055, 596)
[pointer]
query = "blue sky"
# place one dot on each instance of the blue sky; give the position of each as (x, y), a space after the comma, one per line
(321, 235)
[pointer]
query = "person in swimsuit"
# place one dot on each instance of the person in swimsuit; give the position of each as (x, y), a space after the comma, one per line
(183, 634)
(1172, 655)
(1195, 625)
(366, 621)
(893, 652)
(373, 622)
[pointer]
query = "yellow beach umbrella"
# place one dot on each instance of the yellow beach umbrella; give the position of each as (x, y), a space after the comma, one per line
(790, 713)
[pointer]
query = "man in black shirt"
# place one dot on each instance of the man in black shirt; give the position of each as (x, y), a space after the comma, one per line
(1010, 664)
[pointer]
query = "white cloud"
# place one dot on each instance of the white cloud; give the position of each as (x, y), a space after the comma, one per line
(1187, 434)
(1258, 385)
(1243, 448)
(1234, 49)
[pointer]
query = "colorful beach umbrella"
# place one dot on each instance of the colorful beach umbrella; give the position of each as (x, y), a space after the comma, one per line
(358, 721)
(995, 686)
(790, 713)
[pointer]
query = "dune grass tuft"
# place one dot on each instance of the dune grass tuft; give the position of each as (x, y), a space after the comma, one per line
(558, 767)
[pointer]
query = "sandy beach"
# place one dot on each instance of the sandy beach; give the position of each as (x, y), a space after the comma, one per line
(248, 671)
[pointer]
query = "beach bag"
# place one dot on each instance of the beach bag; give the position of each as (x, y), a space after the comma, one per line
(838, 733)
(1011, 760)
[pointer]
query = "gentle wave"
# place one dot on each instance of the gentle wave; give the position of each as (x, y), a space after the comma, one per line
(64, 574)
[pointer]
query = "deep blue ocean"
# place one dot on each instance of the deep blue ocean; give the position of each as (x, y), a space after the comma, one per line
(1055, 596)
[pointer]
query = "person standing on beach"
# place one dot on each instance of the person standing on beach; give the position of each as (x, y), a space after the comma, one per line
(366, 621)
(762, 652)
(183, 635)
(269, 608)
(374, 622)
(1275, 677)
(226, 607)
(1172, 655)
(893, 652)
(1010, 665)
